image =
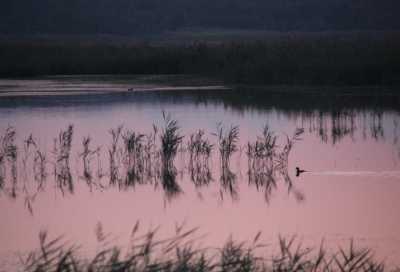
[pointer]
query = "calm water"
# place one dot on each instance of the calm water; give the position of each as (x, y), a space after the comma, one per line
(349, 147)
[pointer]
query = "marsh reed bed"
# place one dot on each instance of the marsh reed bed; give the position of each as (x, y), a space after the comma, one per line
(148, 252)
(135, 158)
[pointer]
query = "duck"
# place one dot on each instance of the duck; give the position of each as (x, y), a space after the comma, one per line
(299, 171)
(131, 90)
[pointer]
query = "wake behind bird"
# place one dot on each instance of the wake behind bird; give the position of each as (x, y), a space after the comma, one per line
(383, 174)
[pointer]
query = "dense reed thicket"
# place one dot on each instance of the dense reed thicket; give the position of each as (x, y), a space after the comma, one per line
(289, 60)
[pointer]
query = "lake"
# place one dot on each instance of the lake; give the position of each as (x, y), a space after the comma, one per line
(347, 141)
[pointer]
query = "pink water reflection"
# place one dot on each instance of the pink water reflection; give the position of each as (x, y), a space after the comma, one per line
(336, 207)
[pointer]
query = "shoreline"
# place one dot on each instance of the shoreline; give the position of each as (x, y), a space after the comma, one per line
(79, 85)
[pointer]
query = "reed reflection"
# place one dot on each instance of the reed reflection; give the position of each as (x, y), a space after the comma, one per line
(170, 141)
(8, 156)
(336, 126)
(87, 156)
(267, 164)
(228, 145)
(199, 149)
(135, 159)
(62, 152)
(331, 116)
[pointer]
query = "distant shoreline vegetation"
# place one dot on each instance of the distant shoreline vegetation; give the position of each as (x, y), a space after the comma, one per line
(298, 60)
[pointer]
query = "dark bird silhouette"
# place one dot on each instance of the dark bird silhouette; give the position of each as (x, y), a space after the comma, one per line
(131, 90)
(299, 171)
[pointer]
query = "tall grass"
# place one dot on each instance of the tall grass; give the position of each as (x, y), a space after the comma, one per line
(39, 160)
(9, 153)
(151, 154)
(144, 159)
(199, 149)
(283, 156)
(39, 166)
(86, 159)
(267, 162)
(138, 158)
(113, 155)
(261, 153)
(181, 253)
(87, 156)
(227, 145)
(170, 141)
(29, 143)
(261, 162)
(283, 162)
(62, 152)
(134, 156)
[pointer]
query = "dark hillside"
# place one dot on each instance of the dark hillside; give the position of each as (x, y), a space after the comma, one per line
(143, 17)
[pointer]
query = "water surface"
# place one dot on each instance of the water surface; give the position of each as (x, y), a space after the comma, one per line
(349, 147)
